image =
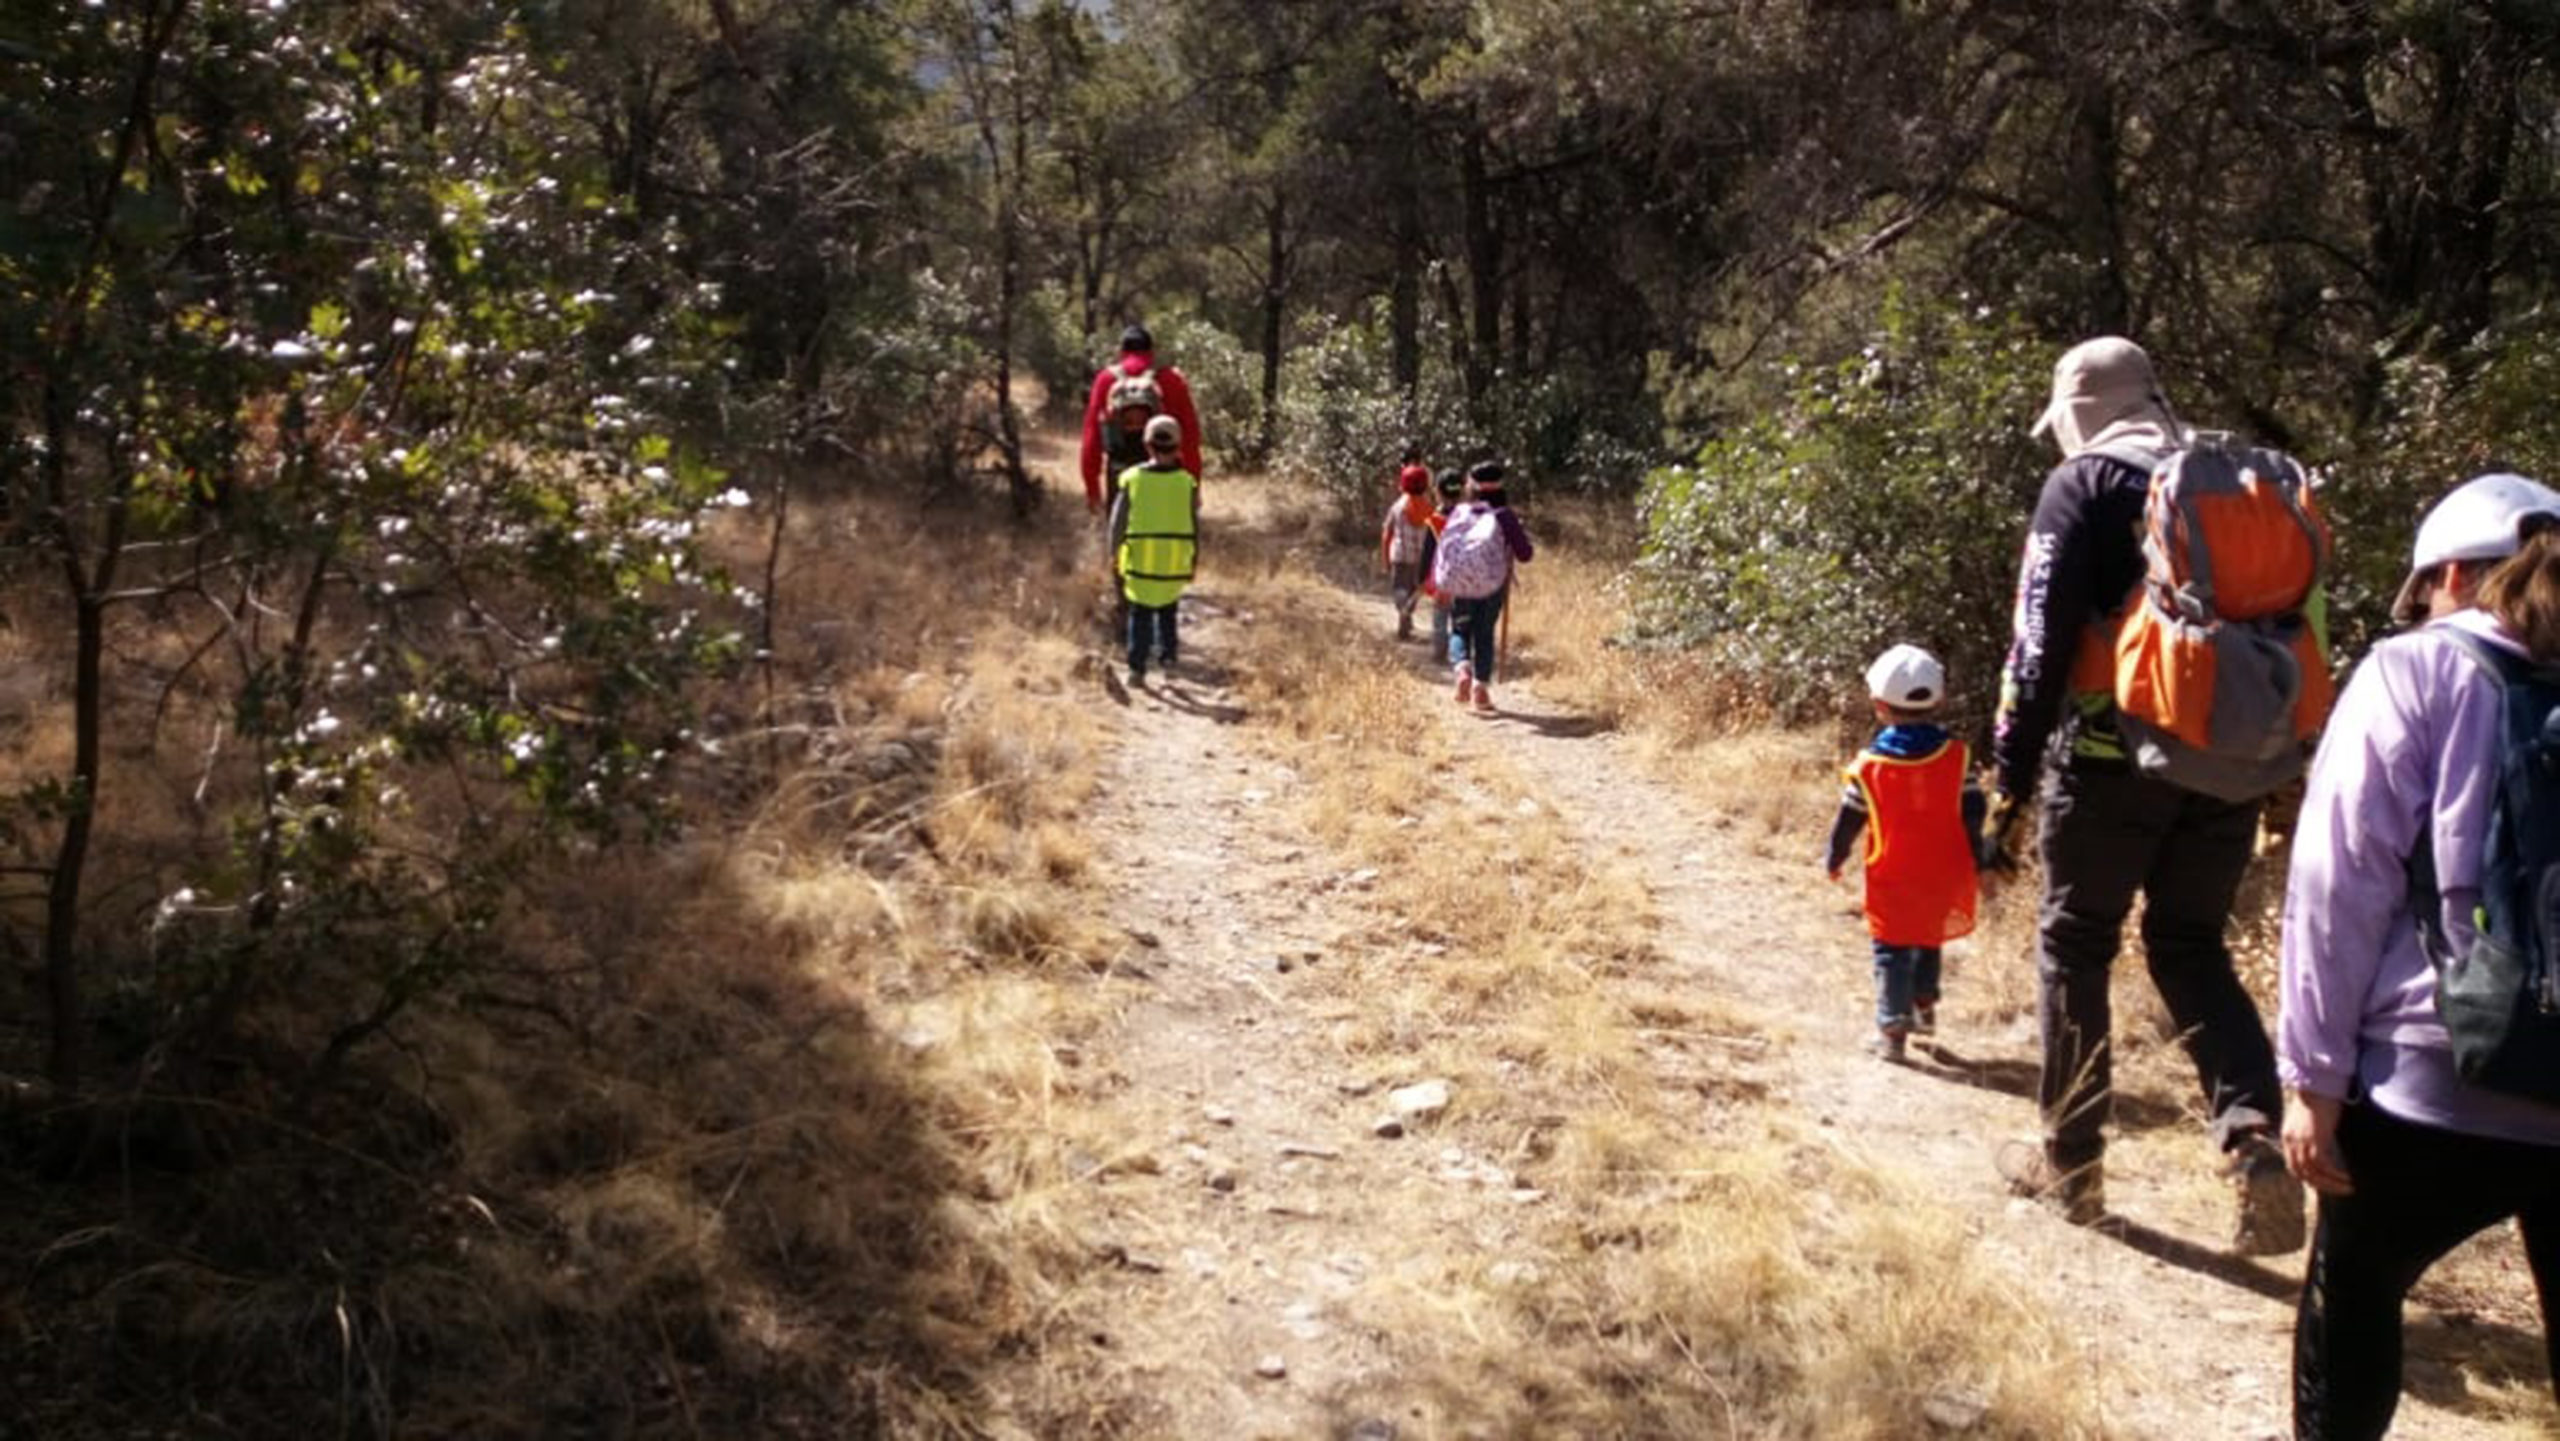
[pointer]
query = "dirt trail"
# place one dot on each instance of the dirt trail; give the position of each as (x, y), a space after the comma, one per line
(2200, 1338)
(1246, 1246)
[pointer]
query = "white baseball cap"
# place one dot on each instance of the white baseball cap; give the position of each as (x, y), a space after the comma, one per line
(1907, 678)
(2485, 518)
(1163, 430)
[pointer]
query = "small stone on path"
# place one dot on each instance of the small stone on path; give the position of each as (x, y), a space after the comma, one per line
(1271, 1368)
(1388, 1128)
(1955, 1410)
(1420, 1101)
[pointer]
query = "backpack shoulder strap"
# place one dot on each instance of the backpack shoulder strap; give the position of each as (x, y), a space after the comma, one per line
(2505, 670)
(2145, 458)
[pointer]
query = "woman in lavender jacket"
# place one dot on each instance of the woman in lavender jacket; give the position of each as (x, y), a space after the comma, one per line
(2409, 1160)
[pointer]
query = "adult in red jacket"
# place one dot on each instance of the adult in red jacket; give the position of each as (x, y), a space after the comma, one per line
(1117, 439)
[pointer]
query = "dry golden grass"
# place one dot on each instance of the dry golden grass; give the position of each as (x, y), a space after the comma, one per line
(1722, 1271)
(803, 1134)
(760, 1134)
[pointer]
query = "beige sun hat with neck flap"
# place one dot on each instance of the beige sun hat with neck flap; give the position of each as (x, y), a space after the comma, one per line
(2105, 390)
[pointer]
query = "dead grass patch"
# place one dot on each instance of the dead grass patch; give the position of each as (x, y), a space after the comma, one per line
(1695, 1269)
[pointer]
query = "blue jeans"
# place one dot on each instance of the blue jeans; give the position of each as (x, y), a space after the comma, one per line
(1906, 978)
(1471, 635)
(1155, 621)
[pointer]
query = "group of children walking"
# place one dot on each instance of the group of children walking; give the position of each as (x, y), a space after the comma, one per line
(1462, 554)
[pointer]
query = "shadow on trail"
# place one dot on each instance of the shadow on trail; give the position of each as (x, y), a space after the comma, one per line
(2186, 1255)
(1178, 696)
(1560, 725)
(2016, 1076)
(2450, 1357)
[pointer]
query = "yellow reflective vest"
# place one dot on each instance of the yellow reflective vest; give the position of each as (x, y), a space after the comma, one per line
(1162, 537)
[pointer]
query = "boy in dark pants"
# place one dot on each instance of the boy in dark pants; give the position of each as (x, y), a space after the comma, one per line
(1909, 793)
(1155, 539)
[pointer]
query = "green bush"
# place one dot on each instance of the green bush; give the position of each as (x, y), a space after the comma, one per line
(1344, 422)
(1883, 501)
(1225, 380)
(2440, 425)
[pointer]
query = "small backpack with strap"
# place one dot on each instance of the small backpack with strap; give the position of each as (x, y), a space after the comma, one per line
(1139, 391)
(1474, 560)
(2500, 999)
(2222, 660)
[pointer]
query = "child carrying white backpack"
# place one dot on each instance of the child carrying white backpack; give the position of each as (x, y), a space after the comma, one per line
(1481, 543)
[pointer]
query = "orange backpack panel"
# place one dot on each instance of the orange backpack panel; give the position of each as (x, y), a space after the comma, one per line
(2221, 666)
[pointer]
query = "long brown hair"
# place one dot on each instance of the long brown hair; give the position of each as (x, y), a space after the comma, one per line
(2523, 592)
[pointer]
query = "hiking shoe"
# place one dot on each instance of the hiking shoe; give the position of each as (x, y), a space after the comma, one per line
(2078, 1195)
(1466, 685)
(1924, 1020)
(1886, 1046)
(2270, 1222)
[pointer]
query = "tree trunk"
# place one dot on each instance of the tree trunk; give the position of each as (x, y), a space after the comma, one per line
(1010, 161)
(1404, 306)
(1275, 305)
(2101, 155)
(1484, 273)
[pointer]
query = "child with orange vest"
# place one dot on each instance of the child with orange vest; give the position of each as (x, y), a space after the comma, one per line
(1911, 793)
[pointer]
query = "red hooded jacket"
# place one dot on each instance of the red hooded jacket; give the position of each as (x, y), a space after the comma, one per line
(1177, 403)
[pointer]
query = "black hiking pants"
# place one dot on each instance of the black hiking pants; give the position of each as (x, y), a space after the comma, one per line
(2111, 834)
(2419, 1192)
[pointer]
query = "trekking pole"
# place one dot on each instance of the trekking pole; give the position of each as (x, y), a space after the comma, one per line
(1502, 639)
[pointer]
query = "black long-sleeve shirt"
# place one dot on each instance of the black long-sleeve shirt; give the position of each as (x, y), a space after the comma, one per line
(2083, 559)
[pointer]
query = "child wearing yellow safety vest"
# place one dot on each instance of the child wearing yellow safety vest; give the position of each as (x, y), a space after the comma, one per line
(1155, 538)
(1909, 791)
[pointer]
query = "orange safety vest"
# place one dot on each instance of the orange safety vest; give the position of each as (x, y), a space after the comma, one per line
(1920, 880)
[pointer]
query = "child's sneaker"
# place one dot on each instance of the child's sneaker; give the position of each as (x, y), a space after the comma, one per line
(1924, 1019)
(1886, 1046)
(1466, 685)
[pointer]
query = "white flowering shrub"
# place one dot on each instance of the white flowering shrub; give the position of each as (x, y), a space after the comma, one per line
(367, 382)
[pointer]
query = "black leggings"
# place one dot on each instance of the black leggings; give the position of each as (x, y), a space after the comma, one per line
(2420, 1192)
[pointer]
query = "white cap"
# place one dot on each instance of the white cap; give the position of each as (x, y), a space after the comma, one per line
(1163, 430)
(1907, 678)
(2483, 519)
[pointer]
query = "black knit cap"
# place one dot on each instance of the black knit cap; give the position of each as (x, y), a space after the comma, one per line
(1487, 474)
(1135, 338)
